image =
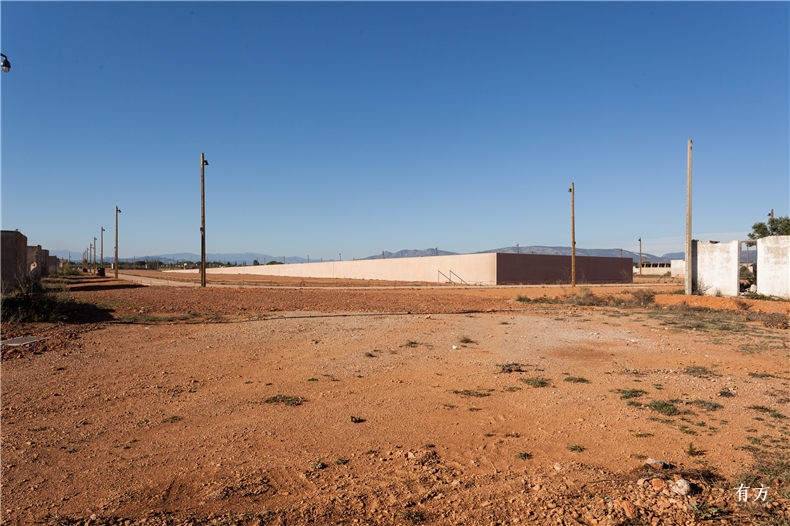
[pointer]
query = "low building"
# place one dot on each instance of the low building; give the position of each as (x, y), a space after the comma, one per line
(654, 269)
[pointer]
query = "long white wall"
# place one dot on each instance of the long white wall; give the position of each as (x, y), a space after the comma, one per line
(474, 269)
(773, 266)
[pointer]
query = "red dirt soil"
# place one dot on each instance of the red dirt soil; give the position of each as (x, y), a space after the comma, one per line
(277, 401)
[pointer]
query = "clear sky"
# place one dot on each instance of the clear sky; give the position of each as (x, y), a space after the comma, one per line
(359, 127)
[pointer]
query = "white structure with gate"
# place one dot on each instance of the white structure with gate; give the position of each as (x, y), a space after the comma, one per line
(716, 266)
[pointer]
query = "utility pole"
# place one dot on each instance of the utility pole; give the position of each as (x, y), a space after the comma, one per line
(102, 247)
(115, 265)
(640, 256)
(203, 163)
(572, 190)
(94, 254)
(689, 284)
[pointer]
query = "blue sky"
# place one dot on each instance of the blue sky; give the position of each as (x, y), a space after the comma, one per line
(359, 127)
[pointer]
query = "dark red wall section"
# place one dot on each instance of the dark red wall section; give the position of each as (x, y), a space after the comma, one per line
(538, 269)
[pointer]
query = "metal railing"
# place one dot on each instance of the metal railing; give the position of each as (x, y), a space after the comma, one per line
(459, 277)
(450, 277)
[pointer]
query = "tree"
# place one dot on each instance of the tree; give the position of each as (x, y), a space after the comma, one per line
(776, 226)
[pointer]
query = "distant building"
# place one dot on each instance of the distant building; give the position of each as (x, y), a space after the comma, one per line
(654, 269)
(14, 260)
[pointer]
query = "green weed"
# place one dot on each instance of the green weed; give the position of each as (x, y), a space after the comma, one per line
(512, 368)
(626, 394)
(665, 408)
(707, 405)
(768, 411)
(285, 400)
(700, 371)
(472, 392)
(704, 511)
(536, 381)
(415, 517)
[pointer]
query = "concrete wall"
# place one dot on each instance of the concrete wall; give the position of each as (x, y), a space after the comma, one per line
(773, 266)
(53, 265)
(716, 267)
(36, 262)
(514, 269)
(472, 269)
(13, 260)
(653, 271)
(45, 262)
(678, 268)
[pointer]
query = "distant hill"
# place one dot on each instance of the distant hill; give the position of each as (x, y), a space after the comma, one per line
(412, 253)
(248, 258)
(559, 251)
(566, 251)
(234, 258)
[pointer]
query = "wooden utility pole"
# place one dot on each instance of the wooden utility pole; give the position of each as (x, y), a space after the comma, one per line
(640, 256)
(115, 265)
(572, 190)
(689, 265)
(203, 163)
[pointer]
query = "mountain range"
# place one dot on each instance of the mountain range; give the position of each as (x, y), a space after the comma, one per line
(248, 258)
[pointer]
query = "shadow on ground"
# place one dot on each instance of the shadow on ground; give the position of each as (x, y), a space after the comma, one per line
(44, 307)
(93, 287)
(78, 312)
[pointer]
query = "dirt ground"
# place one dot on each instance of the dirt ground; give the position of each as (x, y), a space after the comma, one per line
(288, 401)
